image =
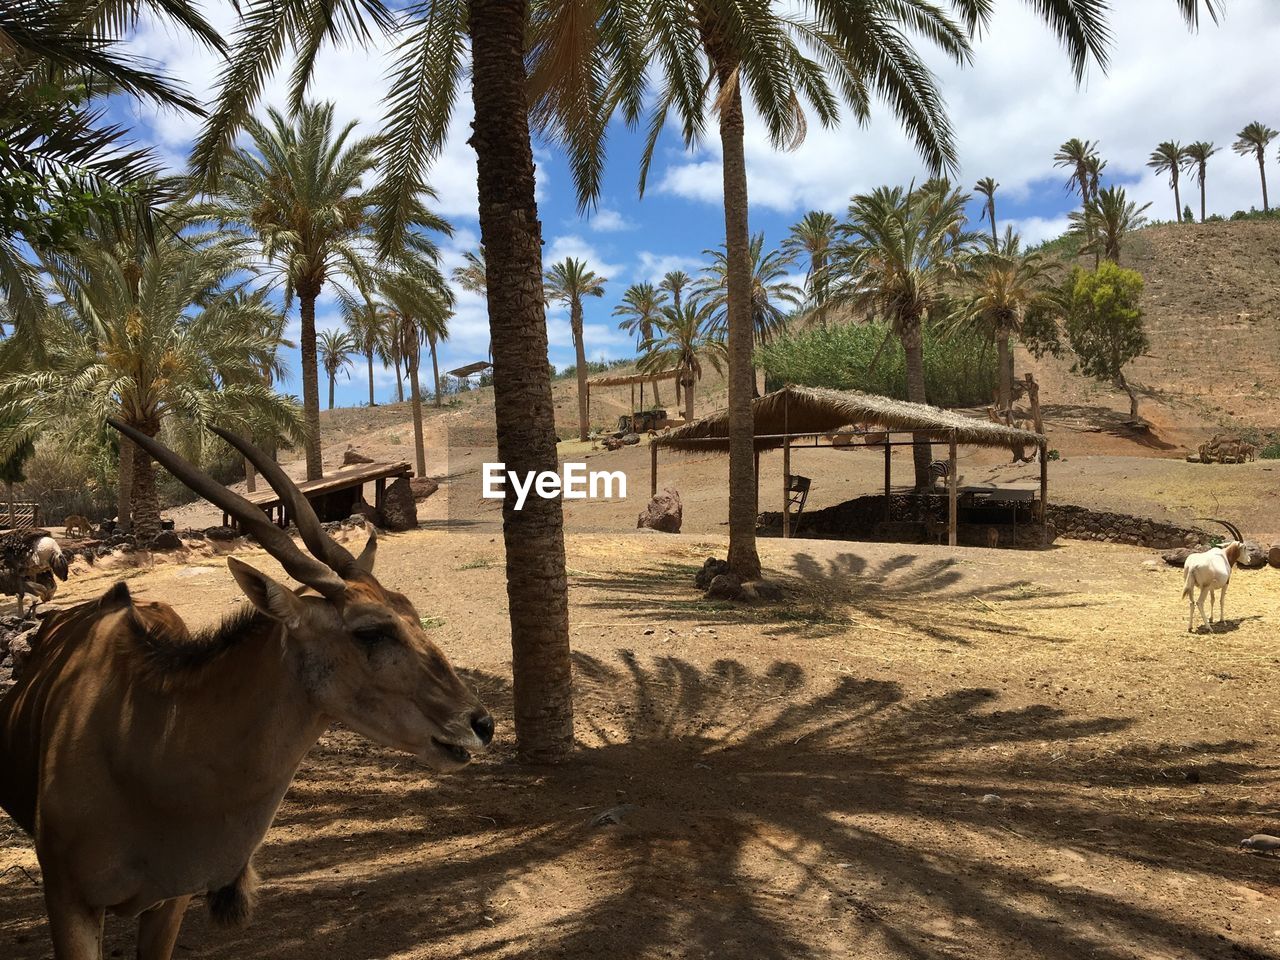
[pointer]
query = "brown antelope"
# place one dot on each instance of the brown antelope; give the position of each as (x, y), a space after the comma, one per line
(148, 762)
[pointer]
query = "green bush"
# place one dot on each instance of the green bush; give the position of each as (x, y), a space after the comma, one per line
(960, 368)
(1271, 451)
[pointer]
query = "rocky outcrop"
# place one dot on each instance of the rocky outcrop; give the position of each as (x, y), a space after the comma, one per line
(399, 509)
(664, 513)
(423, 487)
(351, 456)
(1080, 523)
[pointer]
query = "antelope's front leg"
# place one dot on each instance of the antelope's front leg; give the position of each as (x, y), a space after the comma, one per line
(158, 929)
(76, 929)
(1222, 605)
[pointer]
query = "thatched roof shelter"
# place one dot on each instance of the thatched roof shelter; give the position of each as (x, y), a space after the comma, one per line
(795, 410)
(471, 368)
(622, 380)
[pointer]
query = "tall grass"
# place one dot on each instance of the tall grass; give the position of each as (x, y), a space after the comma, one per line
(960, 368)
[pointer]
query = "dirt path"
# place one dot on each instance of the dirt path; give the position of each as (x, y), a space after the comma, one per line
(796, 782)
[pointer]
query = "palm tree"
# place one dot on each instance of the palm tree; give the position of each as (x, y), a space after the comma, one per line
(1004, 284)
(1106, 221)
(366, 321)
(640, 309)
(335, 348)
(987, 187)
(770, 290)
(418, 305)
(1080, 157)
(674, 283)
(300, 190)
(1170, 157)
(568, 282)
(153, 334)
(812, 238)
(1254, 139)
(1196, 160)
(902, 253)
(61, 163)
(471, 275)
(1093, 168)
(683, 338)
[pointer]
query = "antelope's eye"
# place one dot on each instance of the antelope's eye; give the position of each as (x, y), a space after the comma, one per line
(372, 636)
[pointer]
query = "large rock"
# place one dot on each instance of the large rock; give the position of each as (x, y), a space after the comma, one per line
(367, 513)
(726, 586)
(664, 513)
(1253, 555)
(1273, 555)
(20, 650)
(711, 569)
(762, 591)
(223, 534)
(166, 540)
(399, 509)
(422, 487)
(630, 439)
(1178, 557)
(351, 456)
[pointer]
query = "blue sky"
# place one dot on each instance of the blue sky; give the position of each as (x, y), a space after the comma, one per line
(1010, 110)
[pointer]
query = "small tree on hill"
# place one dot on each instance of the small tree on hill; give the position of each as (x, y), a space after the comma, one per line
(1104, 325)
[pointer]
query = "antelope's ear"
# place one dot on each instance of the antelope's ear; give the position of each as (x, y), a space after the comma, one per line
(364, 562)
(274, 599)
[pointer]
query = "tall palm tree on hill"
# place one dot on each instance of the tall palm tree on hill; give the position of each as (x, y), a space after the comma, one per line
(568, 282)
(335, 348)
(1094, 168)
(902, 253)
(1080, 157)
(640, 309)
(683, 338)
(812, 238)
(419, 305)
(1196, 160)
(366, 321)
(1253, 141)
(674, 282)
(987, 187)
(773, 295)
(1003, 285)
(1106, 221)
(1170, 157)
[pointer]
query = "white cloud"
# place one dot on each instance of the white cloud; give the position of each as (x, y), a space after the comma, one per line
(608, 220)
(1018, 102)
(654, 266)
(571, 245)
(1035, 230)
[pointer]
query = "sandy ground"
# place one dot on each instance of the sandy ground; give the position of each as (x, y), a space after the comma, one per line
(809, 780)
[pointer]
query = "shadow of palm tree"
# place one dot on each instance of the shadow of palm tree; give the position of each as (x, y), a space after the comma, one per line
(742, 812)
(930, 595)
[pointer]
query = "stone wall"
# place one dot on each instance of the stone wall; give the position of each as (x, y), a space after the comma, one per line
(1079, 523)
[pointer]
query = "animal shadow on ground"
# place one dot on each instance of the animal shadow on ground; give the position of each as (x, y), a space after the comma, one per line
(733, 811)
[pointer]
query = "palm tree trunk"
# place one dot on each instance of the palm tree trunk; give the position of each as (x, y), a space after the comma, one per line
(307, 294)
(1006, 371)
(687, 378)
(415, 395)
(368, 355)
(584, 412)
(1177, 200)
(921, 451)
(1202, 196)
(743, 558)
(435, 370)
(399, 380)
(537, 591)
(1262, 172)
(144, 502)
(657, 402)
(332, 378)
(124, 488)
(991, 210)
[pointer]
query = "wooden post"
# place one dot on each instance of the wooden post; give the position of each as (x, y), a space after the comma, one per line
(953, 486)
(379, 492)
(1044, 487)
(653, 469)
(633, 408)
(888, 473)
(786, 487)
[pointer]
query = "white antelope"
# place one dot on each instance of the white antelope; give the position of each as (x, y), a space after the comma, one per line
(1209, 572)
(148, 762)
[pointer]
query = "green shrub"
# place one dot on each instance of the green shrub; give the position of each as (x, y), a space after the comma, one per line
(1271, 451)
(960, 368)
